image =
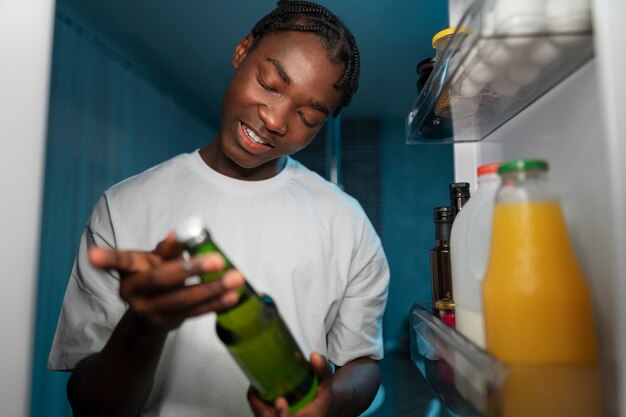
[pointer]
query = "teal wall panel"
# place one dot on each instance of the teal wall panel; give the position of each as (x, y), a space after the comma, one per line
(106, 122)
(415, 180)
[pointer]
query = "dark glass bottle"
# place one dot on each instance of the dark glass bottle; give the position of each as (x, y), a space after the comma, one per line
(424, 69)
(254, 332)
(440, 269)
(459, 195)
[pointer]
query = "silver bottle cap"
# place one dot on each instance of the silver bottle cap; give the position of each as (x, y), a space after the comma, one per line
(191, 232)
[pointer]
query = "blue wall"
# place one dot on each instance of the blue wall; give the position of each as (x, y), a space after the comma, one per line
(106, 122)
(415, 180)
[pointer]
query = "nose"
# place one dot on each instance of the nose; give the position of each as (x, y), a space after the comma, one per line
(274, 117)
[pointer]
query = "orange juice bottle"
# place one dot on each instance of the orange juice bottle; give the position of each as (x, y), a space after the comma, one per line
(537, 304)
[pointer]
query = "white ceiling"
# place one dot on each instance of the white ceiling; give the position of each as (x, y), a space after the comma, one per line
(185, 46)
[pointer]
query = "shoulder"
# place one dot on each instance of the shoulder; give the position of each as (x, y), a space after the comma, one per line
(159, 184)
(167, 172)
(332, 209)
(325, 193)
(138, 207)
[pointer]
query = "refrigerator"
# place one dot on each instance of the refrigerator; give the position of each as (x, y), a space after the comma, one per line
(576, 120)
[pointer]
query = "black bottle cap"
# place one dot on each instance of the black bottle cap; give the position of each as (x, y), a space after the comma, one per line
(459, 190)
(424, 68)
(443, 214)
(425, 64)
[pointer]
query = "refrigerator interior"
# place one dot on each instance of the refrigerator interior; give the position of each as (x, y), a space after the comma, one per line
(578, 128)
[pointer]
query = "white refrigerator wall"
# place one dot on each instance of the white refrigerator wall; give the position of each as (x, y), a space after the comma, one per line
(610, 44)
(25, 47)
(580, 128)
(565, 128)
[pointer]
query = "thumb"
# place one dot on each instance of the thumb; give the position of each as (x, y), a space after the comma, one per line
(321, 366)
(282, 407)
(168, 248)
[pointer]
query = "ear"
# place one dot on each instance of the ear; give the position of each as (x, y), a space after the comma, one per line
(241, 50)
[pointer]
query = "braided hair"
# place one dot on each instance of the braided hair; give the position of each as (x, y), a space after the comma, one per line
(305, 16)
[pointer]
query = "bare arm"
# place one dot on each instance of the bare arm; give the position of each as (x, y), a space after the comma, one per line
(117, 380)
(354, 387)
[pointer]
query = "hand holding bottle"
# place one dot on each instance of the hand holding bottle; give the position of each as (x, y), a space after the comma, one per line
(118, 379)
(348, 391)
(153, 283)
(319, 406)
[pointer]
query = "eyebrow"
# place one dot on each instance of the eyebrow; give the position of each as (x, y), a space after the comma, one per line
(280, 69)
(282, 73)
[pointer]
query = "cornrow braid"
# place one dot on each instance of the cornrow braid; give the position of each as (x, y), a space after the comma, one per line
(306, 16)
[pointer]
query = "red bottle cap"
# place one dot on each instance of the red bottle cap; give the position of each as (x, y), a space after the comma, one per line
(445, 310)
(448, 317)
(488, 169)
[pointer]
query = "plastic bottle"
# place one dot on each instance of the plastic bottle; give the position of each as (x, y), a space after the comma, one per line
(470, 242)
(537, 304)
(255, 334)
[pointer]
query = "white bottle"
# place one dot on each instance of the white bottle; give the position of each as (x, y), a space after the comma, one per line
(470, 241)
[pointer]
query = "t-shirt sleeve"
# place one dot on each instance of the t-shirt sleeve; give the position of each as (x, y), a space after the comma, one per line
(357, 330)
(91, 307)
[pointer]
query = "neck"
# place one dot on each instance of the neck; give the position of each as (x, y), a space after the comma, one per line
(215, 158)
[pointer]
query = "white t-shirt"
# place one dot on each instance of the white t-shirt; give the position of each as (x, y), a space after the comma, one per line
(294, 236)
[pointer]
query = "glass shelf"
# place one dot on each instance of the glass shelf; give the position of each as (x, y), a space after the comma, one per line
(472, 383)
(489, 72)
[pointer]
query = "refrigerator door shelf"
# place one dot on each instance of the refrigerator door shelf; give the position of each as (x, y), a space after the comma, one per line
(470, 382)
(497, 65)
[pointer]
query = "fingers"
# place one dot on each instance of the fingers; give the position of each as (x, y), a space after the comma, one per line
(282, 407)
(169, 248)
(134, 261)
(169, 275)
(190, 300)
(321, 366)
(122, 261)
(167, 309)
(259, 407)
(156, 274)
(168, 312)
(155, 287)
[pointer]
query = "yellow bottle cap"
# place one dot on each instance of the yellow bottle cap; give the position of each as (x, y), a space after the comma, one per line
(448, 32)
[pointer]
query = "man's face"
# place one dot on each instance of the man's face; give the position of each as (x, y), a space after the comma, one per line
(279, 98)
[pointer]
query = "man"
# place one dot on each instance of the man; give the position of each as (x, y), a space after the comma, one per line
(136, 336)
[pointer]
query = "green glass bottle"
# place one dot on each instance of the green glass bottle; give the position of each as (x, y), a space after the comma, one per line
(255, 333)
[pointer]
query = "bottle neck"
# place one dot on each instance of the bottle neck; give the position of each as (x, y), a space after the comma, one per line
(459, 195)
(525, 186)
(458, 203)
(442, 232)
(489, 179)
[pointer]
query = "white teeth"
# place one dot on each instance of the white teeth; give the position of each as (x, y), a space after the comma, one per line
(254, 136)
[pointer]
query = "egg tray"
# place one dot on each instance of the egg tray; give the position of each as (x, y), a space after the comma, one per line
(493, 68)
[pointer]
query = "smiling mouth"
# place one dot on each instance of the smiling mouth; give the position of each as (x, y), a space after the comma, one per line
(254, 137)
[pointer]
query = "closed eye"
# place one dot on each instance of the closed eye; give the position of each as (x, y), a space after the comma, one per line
(263, 84)
(306, 122)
